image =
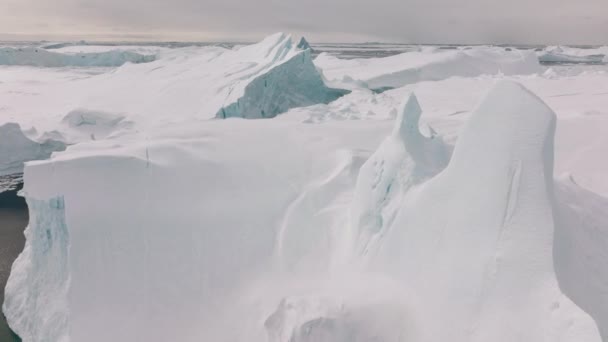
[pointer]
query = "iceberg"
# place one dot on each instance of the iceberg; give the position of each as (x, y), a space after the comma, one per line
(182, 232)
(418, 66)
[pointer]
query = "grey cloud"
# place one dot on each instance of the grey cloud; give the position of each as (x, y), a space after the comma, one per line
(416, 21)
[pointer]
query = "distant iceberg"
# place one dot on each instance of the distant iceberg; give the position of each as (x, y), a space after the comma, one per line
(40, 57)
(570, 55)
(418, 66)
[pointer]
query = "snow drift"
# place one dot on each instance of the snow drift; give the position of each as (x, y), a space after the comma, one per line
(182, 232)
(417, 66)
(42, 58)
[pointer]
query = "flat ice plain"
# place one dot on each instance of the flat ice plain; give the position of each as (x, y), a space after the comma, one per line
(274, 193)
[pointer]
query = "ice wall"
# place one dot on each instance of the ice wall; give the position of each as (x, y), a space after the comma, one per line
(37, 291)
(295, 83)
(40, 57)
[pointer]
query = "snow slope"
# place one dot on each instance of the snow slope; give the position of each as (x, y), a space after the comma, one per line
(581, 248)
(185, 230)
(416, 66)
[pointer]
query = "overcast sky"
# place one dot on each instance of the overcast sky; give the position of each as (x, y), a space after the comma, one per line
(409, 21)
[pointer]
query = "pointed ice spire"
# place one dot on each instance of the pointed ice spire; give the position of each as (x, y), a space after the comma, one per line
(303, 44)
(404, 159)
(408, 118)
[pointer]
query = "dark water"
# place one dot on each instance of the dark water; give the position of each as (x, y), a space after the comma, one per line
(13, 219)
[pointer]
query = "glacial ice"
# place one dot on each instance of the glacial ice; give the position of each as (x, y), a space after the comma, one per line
(40, 57)
(40, 276)
(182, 232)
(561, 54)
(293, 82)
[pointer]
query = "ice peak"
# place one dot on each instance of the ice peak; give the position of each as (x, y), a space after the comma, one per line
(407, 121)
(510, 120)
(303, 44)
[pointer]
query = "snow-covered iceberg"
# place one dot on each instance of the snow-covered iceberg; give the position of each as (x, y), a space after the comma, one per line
(426, 65)
(40, 57)
(176, 234)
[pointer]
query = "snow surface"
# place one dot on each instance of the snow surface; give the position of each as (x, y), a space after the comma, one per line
(344, 218)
